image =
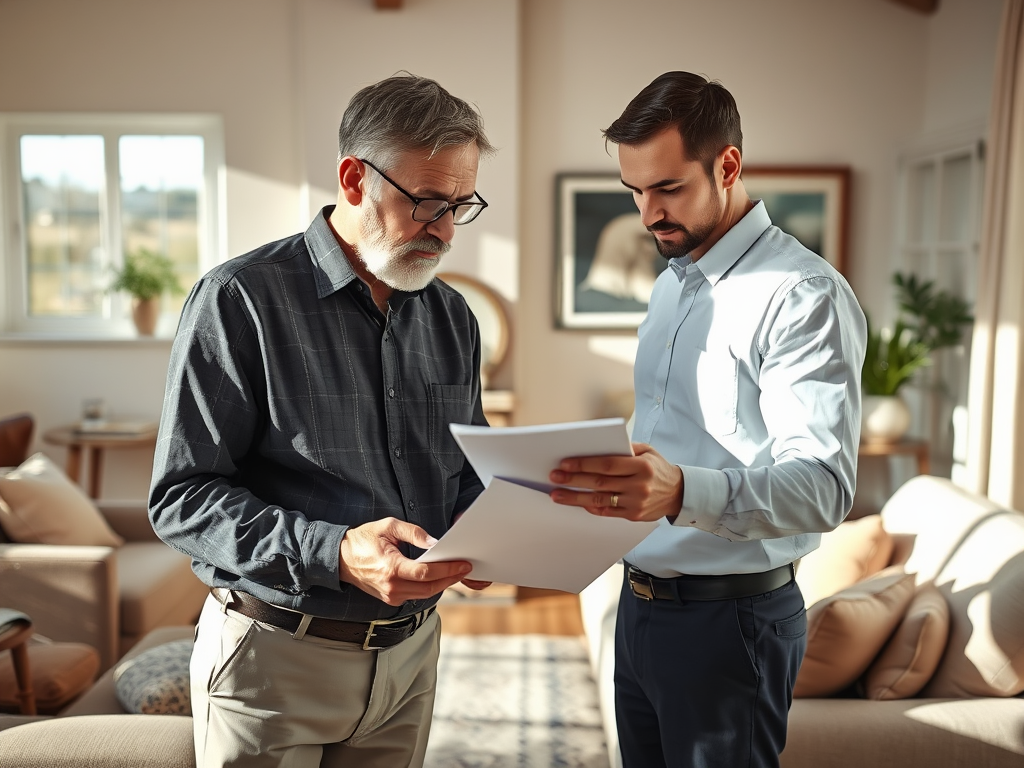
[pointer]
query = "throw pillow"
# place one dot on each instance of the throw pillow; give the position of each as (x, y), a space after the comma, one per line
(910, 658)
(156, 681)
(852, 552)
(847, 630)
(40, 505)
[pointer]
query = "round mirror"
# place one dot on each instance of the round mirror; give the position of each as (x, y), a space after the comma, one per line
(490, 315)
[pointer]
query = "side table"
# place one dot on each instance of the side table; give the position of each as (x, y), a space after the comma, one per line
(94, 444)
(916, 448)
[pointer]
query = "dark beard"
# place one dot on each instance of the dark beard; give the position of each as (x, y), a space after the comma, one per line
(691, 239)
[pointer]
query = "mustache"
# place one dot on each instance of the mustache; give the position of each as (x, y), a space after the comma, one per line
(428, 244)
(664, 226)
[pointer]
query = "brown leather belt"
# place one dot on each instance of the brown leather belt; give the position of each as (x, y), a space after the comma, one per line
(372, 635)
(683, 589)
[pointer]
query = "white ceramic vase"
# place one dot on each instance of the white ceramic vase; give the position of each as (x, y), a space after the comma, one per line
(884, 418)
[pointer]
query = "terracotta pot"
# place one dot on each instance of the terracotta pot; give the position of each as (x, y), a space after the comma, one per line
(884, 418)
(145, 313)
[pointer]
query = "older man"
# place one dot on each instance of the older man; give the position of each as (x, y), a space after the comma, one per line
(304, 457)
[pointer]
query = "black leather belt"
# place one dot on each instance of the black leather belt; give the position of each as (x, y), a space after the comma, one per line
(728, 587)
(372, 635)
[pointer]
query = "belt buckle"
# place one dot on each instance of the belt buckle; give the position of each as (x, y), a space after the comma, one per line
(379, 623)
(641, 584)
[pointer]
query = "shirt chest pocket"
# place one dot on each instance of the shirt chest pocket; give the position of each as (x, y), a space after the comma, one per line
(717, 390)
(449, 403)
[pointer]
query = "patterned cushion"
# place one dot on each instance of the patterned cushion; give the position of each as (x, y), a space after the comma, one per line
(156, 681)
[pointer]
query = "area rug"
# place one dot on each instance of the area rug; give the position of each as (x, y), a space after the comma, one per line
(515, 701)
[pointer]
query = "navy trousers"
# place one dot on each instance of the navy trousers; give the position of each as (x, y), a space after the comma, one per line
(707, 684)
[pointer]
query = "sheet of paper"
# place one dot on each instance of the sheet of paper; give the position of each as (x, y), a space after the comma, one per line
(526, 455)
(516, 535)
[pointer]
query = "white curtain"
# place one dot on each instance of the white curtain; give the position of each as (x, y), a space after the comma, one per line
(995, 451)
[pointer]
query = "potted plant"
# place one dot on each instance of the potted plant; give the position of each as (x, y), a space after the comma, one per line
(146, 275)
(928, 320)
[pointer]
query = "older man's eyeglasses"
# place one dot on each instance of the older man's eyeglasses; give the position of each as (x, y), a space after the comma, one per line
(425, 210)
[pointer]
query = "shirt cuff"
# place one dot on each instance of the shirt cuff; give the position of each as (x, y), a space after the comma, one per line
(705, 497)
(321, 552)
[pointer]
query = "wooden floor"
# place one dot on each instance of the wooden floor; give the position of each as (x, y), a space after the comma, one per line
(534, 611)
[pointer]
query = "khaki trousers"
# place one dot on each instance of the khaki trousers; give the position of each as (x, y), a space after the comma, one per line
(261, 698)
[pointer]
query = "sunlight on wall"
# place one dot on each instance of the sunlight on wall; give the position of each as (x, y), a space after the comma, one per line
(498, 264)
(621, 349)
(260, 211)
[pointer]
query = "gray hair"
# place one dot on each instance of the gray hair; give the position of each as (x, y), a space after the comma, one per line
(405, 112)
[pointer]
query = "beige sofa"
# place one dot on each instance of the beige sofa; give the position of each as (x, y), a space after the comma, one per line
(106, 597)
(95, 731)
(970, 712)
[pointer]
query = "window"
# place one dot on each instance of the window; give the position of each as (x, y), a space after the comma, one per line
(81, 191)
(939, 231)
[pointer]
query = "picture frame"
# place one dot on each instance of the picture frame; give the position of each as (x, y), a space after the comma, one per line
(606, 261)
(810, 202)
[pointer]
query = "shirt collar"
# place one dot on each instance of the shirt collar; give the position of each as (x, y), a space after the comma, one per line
(730, 247)
(331, 267)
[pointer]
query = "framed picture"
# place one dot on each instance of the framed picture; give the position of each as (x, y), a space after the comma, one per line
(606, 260)
(809, 202)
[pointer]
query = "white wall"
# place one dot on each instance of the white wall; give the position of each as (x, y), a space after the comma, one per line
(847, 81)
(280, 73)
(830, 83)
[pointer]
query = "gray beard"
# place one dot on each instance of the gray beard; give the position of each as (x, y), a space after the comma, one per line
(390, 263)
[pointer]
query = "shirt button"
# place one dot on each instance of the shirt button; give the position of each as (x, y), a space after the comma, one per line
(391, 392)
(668, 345)
(411, 505)
(657, 400)
(398, 453)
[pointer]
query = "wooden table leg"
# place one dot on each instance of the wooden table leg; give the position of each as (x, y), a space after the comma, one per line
(74, 465)
(923, 460)
(95, 471)
(23, 674)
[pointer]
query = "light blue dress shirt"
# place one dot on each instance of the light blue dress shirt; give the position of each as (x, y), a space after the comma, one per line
(748, 378)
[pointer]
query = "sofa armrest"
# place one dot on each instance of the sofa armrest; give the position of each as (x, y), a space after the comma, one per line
(71, 593)
(599, 605)
(852, 733)
(101, 741)
(129, 519)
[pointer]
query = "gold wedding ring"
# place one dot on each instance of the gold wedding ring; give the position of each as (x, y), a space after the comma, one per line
(615, 499)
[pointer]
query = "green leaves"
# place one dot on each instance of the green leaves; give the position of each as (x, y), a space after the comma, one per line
(146, 275)
(936, 319)
(892, 359)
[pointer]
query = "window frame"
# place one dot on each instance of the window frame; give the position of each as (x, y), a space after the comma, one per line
(115, 323)
(939, 393)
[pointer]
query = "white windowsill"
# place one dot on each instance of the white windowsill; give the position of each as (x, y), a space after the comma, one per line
(39, 339)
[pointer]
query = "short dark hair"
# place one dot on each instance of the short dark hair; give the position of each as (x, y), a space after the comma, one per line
(405, 112)
(702, 110)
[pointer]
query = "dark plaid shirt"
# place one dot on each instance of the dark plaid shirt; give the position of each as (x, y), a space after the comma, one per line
(295, 409)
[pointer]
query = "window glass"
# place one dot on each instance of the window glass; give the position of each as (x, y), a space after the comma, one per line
(161, 179)
(956, 208)
(62, 185)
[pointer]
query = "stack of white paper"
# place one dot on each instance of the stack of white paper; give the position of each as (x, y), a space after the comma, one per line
(513, 533)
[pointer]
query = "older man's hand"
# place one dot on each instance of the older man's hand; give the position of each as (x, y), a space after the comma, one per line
(372, 561)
